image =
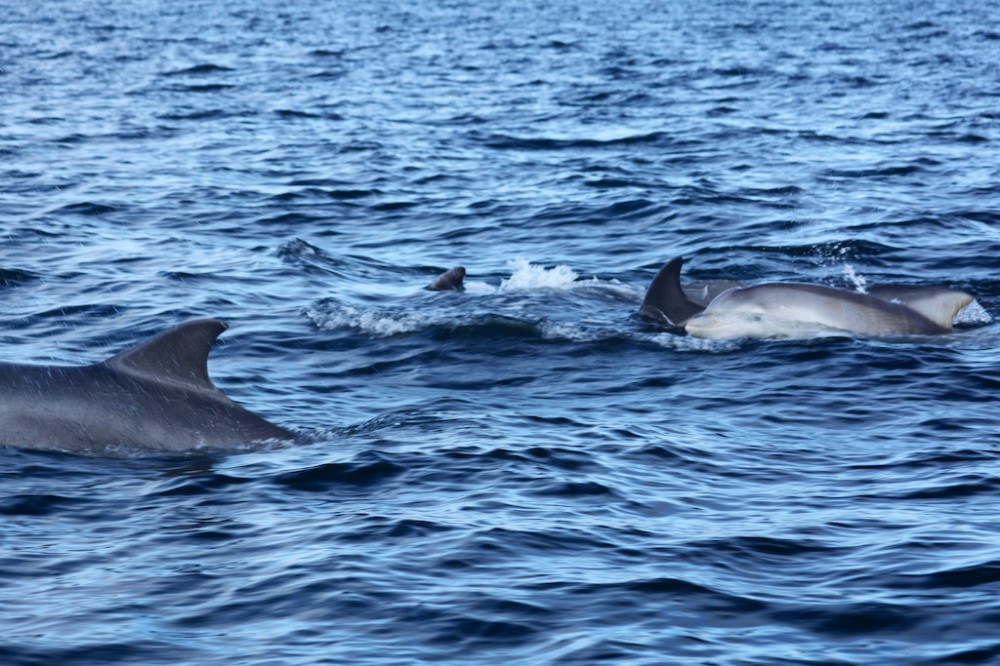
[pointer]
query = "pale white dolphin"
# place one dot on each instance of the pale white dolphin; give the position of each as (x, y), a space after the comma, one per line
(782, 310)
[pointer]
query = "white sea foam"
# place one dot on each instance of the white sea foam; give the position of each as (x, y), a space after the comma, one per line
(526, 276)
(479, 288)
(859, 281)
(689, 343)
(374, 322)
(529, 277)
(573, 332)
(973, 314)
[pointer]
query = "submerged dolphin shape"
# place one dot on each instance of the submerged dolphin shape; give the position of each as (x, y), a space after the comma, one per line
(802, 310)
(155, 396)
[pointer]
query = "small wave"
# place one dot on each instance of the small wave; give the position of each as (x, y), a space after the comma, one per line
(977, 575)
(198, 70)
(208, 114)
(308, 115)
(73, 138)
(878, 172)
(607, 183)
(328, 53)
(851, 619)
(506, 142)
(314, 193)
(186, 485)
(87, 208)
(12, 277)
(36, 505)
(987, 653)
(741, 71)
(100, 652)
(330, 476)
(969, 485)
(829, 252)
(763, 550)
(311, 258)
(675, 590)
(575, 489)
(204, 88)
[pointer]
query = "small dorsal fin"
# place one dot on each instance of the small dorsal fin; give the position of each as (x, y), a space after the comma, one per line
(178, 356)
(665, 300)
(938, 304)
(452, 280)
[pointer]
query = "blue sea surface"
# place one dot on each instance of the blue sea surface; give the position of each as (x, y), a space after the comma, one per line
(521, 473)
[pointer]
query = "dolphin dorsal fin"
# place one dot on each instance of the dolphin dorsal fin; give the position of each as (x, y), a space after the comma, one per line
(938, 304)
(452, 280)
(178, 356)
(665, 300)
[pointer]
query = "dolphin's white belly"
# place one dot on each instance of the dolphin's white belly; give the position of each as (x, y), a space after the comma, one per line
(722, 326)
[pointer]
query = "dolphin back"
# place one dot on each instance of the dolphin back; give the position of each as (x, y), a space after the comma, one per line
(938, 304)
(703, 292)
(156, 396)
(171, 369)
(787, 309)
(451, 280)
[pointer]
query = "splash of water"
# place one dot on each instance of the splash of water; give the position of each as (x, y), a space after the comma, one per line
(529, 277)
(859, 281)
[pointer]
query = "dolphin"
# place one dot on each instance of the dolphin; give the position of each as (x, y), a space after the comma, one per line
(703, 292)
(669, 302)
(450, 280)
(779, 310)
(156, 396)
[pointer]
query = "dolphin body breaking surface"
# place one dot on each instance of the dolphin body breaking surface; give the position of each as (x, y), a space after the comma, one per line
(156, 396)
(450, 280)
(781, 310)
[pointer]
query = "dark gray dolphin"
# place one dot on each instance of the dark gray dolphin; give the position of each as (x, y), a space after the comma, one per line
(802, 310)
(156, 396)
(671, 303)
(451, 280)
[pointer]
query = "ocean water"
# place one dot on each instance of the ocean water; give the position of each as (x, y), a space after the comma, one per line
(521, 473)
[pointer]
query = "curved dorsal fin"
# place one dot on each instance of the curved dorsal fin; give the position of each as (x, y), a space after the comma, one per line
(665, 301)
(178, 356)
